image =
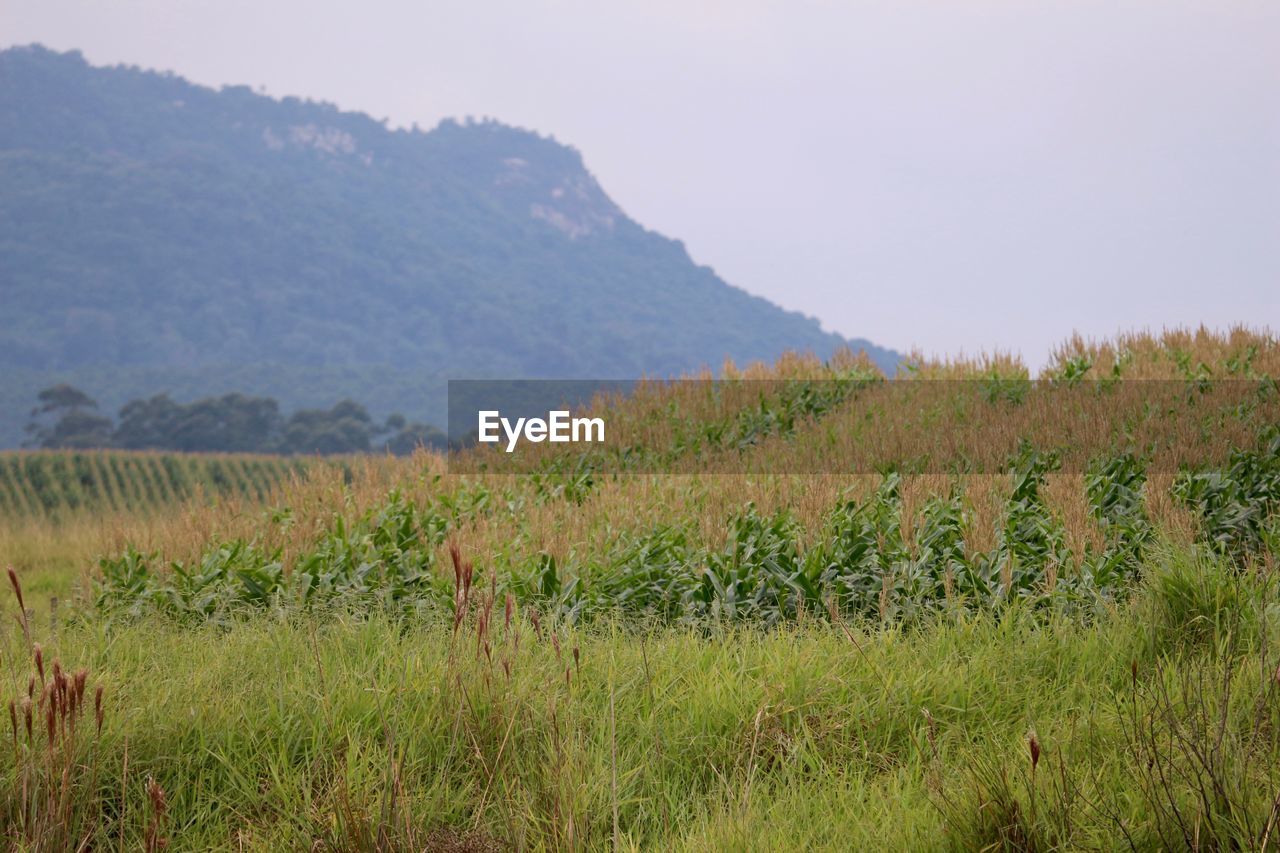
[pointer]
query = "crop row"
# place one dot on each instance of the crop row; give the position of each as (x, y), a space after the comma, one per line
(859, 564)
(49, 483)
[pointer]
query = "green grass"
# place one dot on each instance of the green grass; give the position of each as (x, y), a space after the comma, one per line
(285, 730)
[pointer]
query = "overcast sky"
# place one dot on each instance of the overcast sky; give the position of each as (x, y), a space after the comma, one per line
(952, 175)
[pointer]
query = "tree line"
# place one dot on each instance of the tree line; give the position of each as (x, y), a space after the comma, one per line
(67, 417)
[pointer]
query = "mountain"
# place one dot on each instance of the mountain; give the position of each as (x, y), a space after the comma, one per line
(160, 236)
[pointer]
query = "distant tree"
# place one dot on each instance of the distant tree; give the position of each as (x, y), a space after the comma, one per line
(77, 429)
(402, 438)
(62, 398)
(147, 424)
(230, 423)
(62, 420)
(345, 428)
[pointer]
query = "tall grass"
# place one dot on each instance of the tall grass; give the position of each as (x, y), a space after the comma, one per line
(505, 727)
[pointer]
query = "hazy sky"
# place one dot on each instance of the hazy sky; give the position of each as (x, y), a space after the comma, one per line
(951, 174)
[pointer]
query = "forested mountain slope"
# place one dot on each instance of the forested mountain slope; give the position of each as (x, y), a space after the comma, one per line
(161, 236)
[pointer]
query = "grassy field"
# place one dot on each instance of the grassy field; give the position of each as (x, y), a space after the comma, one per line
(1060, 633)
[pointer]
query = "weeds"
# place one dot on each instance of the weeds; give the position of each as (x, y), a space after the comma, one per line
(51, 802)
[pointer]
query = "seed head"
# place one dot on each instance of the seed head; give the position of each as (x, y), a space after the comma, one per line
(455, 557)
(931, 733)
(59, 681)
(158, 800)
(17, 588)
(77, 689)
(1034, 745)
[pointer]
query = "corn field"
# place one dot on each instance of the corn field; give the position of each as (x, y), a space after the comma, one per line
(50, 483)
(963, 487)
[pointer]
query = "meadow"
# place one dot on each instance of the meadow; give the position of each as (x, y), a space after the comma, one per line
(967, 609)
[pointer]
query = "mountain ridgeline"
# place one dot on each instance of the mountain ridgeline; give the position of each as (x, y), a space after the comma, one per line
(158, 236)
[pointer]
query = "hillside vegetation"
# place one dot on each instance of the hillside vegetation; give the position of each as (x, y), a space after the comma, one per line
(1040, 639)
(157, 236)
